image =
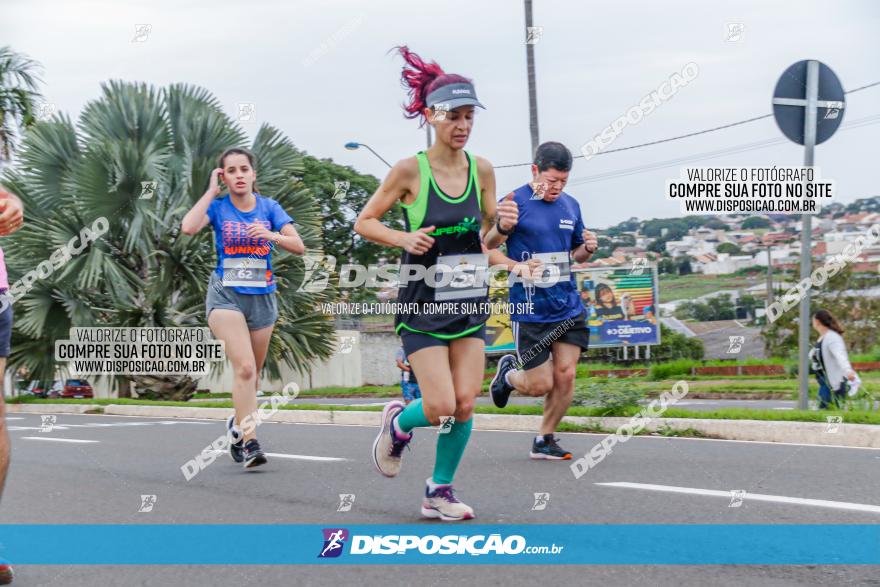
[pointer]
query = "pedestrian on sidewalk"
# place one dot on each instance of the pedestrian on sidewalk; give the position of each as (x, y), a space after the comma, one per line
(409, 385)
(830, 361)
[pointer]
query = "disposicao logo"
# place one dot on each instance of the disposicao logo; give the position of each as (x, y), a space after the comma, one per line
(334, 540)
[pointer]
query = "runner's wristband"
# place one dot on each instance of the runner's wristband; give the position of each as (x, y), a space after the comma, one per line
(502, 232)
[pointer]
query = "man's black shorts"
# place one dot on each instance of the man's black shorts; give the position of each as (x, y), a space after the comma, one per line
(534, 340)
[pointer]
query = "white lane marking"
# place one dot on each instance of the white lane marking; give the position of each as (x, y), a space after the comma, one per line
(821, 503)
(359, 405)
(783, 408)
(100, 425)
(304, 457)
(53, 439)
(297, 457)
(13, 418)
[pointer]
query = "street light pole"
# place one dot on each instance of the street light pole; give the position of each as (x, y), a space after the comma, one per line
(769, 278)
(812, 97)
(354, 145)
(533, 93)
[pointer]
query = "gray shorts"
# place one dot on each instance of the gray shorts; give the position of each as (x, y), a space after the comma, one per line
(260, 310)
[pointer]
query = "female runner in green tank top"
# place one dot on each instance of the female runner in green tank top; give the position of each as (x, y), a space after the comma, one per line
(451, 216)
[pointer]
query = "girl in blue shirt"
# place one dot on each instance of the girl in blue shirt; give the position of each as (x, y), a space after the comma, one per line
(241, 308)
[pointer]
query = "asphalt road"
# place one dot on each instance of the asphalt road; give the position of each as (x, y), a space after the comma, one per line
(56, 482)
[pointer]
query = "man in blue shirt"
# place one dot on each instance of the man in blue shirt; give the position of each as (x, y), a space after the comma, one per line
(548, 318)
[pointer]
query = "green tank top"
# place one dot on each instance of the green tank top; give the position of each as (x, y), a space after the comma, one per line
(457, 222)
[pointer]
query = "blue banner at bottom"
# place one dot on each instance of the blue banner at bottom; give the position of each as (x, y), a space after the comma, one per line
(297, 544)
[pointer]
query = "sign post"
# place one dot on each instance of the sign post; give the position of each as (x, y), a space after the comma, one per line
(813, 86)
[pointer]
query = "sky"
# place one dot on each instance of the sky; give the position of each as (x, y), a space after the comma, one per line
(322, 73)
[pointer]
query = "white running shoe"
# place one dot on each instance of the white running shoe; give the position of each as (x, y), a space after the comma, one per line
(388, 446)
(442, 503)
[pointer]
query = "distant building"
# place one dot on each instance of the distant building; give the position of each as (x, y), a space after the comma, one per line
(725, 263)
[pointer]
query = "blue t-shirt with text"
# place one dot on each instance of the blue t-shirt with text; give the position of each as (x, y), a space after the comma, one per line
(545, 227)
(232, 240)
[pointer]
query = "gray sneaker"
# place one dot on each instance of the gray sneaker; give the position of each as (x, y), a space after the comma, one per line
(388, 446)
(442, 503)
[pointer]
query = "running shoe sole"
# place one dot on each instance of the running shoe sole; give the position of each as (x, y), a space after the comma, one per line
(437, 515)
(383, 430)
(538, 456)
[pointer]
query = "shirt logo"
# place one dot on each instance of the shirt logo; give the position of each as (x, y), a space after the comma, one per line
(464, 226)
(566, 224)
(236, 240)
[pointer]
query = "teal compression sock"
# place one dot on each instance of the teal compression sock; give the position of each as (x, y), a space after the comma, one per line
(450, 448)
(412, 416)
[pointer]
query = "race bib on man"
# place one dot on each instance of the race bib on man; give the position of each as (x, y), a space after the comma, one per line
(460, 277)
(556, 268)
(244, 272)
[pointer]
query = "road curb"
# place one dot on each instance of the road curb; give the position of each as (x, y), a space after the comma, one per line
(822, 433)
(849, 435)
(52, 408)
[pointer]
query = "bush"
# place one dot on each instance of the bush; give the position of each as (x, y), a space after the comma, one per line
(672, 369)
(610, 397)
(676, 346)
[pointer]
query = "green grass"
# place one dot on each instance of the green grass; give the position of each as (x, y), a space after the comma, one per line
(667, 430)
(688, 287)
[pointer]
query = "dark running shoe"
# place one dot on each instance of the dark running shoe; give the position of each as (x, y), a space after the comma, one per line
(236, 440)
(253, 454)
(388, 446)
(499, 388)
(548, 449)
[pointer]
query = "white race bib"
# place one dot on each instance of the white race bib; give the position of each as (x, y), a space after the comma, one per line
(467, 277)
(556, 268)
(244, 272)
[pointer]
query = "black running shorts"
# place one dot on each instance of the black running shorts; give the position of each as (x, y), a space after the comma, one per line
(534, 340)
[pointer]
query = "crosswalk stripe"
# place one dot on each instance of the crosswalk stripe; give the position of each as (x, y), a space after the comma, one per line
(56, 439)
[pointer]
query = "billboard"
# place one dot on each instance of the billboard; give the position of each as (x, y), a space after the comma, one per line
(621, 304)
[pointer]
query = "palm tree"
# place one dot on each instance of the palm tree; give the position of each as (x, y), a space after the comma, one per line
(18, 95)
(144, 271)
